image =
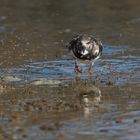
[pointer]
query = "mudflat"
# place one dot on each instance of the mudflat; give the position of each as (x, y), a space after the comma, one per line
(41, 97)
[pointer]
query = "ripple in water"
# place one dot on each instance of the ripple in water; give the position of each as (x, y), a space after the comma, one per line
(115, 67)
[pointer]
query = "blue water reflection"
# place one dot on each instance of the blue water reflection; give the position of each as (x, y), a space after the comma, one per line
(113, 66)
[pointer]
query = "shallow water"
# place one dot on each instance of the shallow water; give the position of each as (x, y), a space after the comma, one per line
(41, 97)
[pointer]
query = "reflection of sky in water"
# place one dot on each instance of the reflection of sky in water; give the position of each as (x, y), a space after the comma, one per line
(122, 64)
(109, 50)
(118, 69)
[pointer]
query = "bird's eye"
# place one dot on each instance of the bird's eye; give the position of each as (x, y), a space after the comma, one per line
(88, 42)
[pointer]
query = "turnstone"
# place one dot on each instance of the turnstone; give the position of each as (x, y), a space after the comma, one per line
(84, 47)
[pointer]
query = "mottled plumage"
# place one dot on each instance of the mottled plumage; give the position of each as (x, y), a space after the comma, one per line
(85, 47)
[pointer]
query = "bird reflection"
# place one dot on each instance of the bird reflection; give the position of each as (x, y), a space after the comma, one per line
(90, 99)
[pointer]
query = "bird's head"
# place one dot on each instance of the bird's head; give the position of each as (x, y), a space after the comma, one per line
(86, 41)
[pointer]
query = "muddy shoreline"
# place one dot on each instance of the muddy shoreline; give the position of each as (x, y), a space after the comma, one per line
(41, 97)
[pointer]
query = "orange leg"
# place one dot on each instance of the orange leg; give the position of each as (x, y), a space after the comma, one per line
(77, 69)
(90, 71)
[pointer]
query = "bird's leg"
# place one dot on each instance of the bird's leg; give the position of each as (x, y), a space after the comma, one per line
(90, 71)
(77, 69)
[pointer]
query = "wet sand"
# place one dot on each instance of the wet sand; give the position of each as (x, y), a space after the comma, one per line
(41, 97)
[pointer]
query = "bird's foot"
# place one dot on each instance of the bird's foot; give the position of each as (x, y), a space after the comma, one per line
(90, 71)
(77, 69)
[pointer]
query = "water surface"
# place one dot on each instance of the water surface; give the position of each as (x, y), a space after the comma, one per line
(41, 97)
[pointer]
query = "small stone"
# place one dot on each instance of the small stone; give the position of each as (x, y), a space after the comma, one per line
(104, 130)
(24, 136)
(135, 121)
(118, 120)
(44, 127)
(109, 83)
(67, 30)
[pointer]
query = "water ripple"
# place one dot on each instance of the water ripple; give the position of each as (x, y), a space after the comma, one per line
(119, 69)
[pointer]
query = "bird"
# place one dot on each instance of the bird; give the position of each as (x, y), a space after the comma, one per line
(85, 47)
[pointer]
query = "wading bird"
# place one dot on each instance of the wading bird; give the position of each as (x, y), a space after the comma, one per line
(84, 47)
